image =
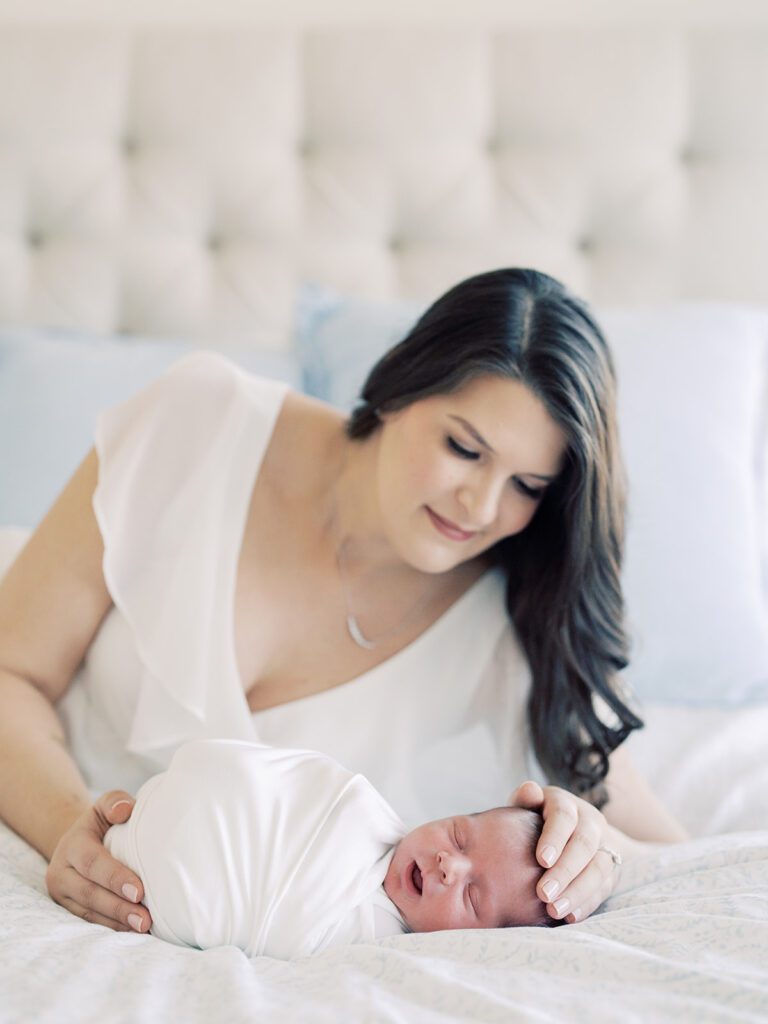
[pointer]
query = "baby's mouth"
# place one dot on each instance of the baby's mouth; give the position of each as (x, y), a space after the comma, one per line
(416, 877)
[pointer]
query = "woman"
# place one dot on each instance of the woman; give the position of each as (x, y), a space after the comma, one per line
(451, 554)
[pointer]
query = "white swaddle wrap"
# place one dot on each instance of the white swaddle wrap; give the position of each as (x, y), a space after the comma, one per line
(276, 851)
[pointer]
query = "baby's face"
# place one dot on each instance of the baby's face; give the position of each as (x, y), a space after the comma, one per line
(471, 871)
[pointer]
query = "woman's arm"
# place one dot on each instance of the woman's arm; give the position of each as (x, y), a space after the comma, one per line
(52, 601)
(44, 799)
(42, 792)
(633, 808)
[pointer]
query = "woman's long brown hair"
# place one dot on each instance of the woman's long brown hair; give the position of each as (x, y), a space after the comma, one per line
(564, 569)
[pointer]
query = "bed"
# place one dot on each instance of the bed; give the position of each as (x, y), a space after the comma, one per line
(210, 179)
(684, 938)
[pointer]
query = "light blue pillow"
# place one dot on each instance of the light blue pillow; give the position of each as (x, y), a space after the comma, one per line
(53, 385)
(340, 338)
(692, 417)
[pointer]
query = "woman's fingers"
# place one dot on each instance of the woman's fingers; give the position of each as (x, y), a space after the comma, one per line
(104, 884)
(529, 795)
(562, 813)
(100, 906)
(97, 864)
(93, 918)
(561, 823)
(577, 854)
(558, 821)
(118, 915)
(585, 894)
(577, 881)
(114, 807)
(84, 877)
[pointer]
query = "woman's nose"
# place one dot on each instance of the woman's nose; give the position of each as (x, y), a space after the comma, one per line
(481, 502)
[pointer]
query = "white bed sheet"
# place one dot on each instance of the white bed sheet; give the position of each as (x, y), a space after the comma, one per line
(685, 938)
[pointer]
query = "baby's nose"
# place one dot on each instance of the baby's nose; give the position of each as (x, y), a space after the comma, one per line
(452, 867)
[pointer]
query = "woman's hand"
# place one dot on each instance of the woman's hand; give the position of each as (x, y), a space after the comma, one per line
(85, 879)
(582, 873)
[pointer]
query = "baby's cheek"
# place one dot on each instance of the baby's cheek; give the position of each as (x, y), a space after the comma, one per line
(445, 915)
(432, 914)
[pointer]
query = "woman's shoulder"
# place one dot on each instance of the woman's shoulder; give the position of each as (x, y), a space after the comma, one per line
(211, 376)
(300, 427)
(304, 443)
(184, 448)
(197, 400)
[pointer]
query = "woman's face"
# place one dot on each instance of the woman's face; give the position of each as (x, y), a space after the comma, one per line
(459, 472)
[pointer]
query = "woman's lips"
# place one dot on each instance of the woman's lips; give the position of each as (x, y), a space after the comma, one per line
(447, 528)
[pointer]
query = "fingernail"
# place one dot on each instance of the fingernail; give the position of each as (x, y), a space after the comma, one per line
(135, 922)
(131, 893)
(550, 888)
(548, 855)
(576, 914)
(128, 802)
(561, 906)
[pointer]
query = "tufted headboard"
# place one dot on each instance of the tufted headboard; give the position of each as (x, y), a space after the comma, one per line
(179, 180)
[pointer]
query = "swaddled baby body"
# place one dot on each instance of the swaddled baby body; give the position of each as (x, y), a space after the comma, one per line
(284, 853)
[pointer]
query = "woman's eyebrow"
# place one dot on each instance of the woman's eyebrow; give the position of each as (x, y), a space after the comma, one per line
(483, 443)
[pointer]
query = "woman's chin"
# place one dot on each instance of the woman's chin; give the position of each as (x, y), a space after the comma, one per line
(434, 556)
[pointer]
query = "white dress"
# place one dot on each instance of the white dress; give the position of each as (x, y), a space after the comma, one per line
(439, 728)
(279, 852)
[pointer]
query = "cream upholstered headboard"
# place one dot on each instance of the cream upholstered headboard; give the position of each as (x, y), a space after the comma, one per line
(178, 180)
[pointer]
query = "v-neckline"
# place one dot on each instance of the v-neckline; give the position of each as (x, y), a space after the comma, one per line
(410, 650)
(405, 652)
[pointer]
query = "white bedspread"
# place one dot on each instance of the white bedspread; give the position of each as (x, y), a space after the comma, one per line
(685, 938)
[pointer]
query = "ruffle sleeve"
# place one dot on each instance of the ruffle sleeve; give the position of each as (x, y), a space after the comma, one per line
(177, 466)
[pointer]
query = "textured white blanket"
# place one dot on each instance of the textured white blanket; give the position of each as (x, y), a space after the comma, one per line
(686, 942)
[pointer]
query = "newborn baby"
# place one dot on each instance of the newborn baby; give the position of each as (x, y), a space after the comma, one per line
(284, 853)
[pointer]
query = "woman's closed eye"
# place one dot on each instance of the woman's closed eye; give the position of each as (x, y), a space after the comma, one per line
(530, 492)
(460, 450)
(534, 493)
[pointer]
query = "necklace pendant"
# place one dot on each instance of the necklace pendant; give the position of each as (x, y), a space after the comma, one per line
(357, 634)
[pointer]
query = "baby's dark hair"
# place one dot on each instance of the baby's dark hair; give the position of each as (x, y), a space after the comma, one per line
(533, 823)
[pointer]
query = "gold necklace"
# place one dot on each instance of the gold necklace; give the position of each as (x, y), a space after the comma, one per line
(353, 625)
